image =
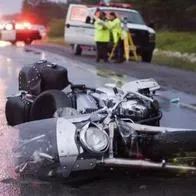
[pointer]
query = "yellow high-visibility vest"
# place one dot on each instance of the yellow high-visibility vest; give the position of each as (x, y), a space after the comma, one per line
(102, 33)
(115, 27)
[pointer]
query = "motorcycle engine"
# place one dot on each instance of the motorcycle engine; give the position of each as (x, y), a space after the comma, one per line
(134, 109)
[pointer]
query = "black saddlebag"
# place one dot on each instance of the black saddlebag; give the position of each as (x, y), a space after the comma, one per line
(43, 76)
(17, 109)
(23, 79)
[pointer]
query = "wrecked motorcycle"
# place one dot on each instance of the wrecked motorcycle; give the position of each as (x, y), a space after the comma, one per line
(41, 97)
(75, 142)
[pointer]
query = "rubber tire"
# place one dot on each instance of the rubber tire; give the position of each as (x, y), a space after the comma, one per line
(77, 50)
(167, 145)
(46, 104)
(28, 41)
(147, 56)
(13, 43)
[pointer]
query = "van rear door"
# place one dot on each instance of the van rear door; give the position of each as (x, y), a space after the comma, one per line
(77, 30)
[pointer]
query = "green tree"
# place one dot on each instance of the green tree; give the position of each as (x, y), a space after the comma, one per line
(44, 12)
(167, 14)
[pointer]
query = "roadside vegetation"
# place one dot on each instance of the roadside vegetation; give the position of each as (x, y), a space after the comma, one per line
(174, 62)
(56, 32)
(184, 42)
(56, 40)
(176, 49)
(56, 28)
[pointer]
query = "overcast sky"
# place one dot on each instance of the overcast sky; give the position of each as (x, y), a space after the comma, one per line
(11, 6)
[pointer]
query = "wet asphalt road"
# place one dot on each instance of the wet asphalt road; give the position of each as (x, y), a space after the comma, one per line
(179, 79)
(112, 183)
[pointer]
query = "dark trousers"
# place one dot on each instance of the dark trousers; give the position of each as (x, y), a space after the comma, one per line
(120, 51)
(102, 51)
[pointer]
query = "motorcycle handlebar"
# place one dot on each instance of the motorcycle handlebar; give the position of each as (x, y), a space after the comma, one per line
(110, 110)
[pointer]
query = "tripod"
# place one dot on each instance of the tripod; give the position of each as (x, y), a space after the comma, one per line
(129, 46)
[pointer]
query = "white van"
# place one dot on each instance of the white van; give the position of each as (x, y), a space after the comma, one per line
(79, 28)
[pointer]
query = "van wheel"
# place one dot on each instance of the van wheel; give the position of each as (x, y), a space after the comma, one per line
(77, 50)
(28, 41)
(13, 42)
(147, 56)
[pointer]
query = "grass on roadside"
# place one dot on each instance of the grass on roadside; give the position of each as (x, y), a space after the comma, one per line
(56, 40)
(184, 42)
(174, 62)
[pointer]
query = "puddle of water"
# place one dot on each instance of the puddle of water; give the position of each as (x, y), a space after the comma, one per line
(176, 116)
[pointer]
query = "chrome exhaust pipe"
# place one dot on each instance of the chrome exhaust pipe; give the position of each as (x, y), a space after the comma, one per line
(144, 164)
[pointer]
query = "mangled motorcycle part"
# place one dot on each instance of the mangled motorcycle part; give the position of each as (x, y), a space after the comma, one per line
(143, 164)
(36, 152)
(139, 85)
(66, 148)
(174, 143)
(66, 111)
(51, 146)
(85, 103)
(153, 129)
(84, 99)
(66, 145)
(112, 128)
(94, 138)
(141, 109)
(60, 145)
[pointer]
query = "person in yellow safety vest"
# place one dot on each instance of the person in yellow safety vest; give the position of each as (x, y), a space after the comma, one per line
(117, 32)
(102, 37)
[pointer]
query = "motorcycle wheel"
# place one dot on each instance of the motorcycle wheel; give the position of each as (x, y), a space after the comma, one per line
(46, 104)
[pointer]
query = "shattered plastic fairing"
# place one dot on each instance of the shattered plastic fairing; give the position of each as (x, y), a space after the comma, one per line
(36, 151)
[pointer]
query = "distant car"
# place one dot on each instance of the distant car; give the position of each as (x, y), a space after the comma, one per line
(79, 28)
(14, 32)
